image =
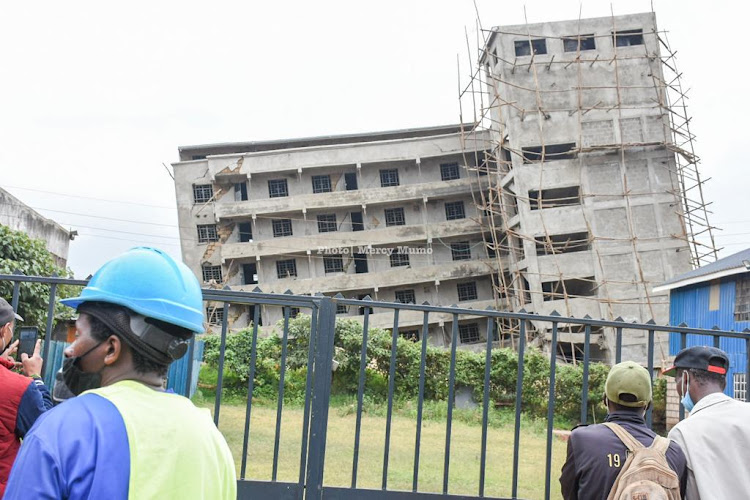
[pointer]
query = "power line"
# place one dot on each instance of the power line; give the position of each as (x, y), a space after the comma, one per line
(92, 198)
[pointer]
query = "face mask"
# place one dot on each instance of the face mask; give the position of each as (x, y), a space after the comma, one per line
(77, 380)
(687, 401)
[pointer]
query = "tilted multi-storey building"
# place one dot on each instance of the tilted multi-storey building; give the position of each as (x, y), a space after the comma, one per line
(388, 215)
(589, 205)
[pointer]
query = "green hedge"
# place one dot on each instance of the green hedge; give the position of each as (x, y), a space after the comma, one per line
(348, 345)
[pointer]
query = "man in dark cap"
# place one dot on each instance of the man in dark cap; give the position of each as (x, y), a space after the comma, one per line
(716, 436)
(596, 454)
(23, 398)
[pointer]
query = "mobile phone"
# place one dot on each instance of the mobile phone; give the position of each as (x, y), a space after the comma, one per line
(27, 336)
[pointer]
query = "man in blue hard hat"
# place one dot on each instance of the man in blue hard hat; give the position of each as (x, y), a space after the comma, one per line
(124, 436)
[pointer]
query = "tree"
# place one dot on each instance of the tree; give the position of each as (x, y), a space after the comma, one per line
(18, 252)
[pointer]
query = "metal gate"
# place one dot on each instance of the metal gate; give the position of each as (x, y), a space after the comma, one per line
(311, 453)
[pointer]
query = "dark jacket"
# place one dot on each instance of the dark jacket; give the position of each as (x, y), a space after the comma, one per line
(596, 456)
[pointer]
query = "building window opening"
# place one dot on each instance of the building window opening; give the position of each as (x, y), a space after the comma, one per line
(549, 152)
(350, 181)
(461, 250)
(207, 233)
(321, 183)
(469, 333)
(557, 290)
(399, 259)
(342, 309)
(357, 221)
(249, 274)
(202, 193)
(410, 335)
(362, 309)
(467, 291)
(562, 243)
(389, 177)
(278, 188)
(742, 299)
(215, 315)
(211, 273)
(293, 312)
(454, 210)
(245, 232)
(240, 191)
(526, 47)
(576, 43)
(360, 263)
(406, 297)
(740, 386)
(627, 38)
(449, 171)
(394, 217)
(282, 227)
(333, 264)
(327, 223)
(286, 268)
(556, 197)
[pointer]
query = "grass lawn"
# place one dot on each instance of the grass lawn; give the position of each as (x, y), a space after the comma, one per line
(465, 450)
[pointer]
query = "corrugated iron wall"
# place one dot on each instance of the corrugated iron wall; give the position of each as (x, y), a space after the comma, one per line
(690, 305)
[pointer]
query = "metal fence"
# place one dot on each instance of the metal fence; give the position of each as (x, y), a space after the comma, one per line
(310, 482)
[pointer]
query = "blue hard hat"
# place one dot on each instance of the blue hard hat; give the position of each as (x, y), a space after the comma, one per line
(151, 283)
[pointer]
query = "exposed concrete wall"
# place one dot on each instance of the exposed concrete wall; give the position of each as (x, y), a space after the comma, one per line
(19, 217)
(431, 273)
(609, 108)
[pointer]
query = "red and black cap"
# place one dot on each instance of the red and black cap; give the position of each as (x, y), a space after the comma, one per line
(700, 357)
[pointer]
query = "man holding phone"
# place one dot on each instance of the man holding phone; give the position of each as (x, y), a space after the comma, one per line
(22, 398)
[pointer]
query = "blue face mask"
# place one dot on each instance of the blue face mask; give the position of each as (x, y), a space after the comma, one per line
(687, 401)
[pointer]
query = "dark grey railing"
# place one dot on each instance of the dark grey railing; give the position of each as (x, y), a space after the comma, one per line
(310, 483)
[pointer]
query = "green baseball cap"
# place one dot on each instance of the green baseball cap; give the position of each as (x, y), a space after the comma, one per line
(630, 381)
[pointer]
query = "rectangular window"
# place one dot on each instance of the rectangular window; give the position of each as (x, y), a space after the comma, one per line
(412, 335)
(455, 210)
(282, 227)
(240, 191)
(627, 38)
(286, 268)
(394, 217)
(203, 193)
(357, 222)
(249, 274)
(469, 333)
(461, 250)
(742, 299)
(277, 188)
(350, 181)
(327, 223)
(526, 47)
(360, 263)
(342, 309)
(212, 273)
(740, 386)
(293, 312)
(405, 297)
(207, 233)
(549, 152)
(581, 42)
(714, 295)
(557, 197)
(467, 291)
(246, 232)
(333, 264)
(449, 171)
(215, 315)
(562, 243)
(399, 259)
(321, 183)
(362, 309)
(581, 287)
(389, 177)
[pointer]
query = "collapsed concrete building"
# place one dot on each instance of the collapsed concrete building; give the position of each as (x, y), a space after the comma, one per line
(388, 215)
(574, 190)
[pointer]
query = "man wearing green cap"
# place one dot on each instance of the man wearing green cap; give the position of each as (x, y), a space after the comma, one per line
(716, 435)
(596, 454)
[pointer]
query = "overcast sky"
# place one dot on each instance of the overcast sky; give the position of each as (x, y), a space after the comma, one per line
(95, 97)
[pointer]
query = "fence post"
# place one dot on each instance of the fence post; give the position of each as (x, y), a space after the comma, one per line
(322, 362)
